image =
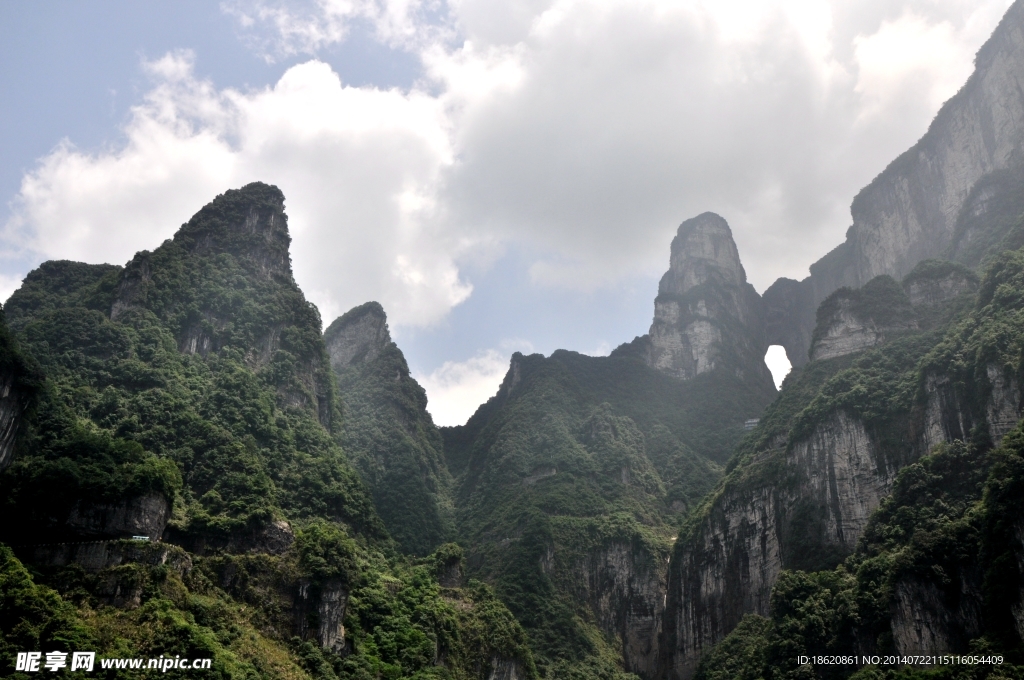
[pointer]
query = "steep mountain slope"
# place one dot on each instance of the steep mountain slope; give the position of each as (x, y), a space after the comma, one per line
(573, 478)
(956, 194)
(189, 396)
(387, 432)
(802, 488)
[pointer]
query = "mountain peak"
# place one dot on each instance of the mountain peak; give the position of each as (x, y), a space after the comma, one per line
(706, 315)
(249, 223)
(357, 336)
(702, 249)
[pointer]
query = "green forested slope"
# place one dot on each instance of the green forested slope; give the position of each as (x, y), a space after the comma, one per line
(195, 383)
(387, 432)
(572, 482)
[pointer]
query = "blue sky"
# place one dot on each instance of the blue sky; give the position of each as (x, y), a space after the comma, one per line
(500, 175)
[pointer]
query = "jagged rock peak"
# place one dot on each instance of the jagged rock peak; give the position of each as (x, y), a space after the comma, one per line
(703, 248)
(357, 336)
(706, 315)
(249, 222)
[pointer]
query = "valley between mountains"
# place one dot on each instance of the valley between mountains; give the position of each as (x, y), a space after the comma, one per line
(599, 517)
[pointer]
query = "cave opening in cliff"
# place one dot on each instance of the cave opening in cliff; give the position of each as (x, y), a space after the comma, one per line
(778, 363)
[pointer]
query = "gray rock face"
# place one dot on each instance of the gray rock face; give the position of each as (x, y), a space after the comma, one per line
(99, 555)
(140, 516)
(11, 407)
(117, 585)
(326, 605)
(939, 291)
(946, 418)
(506, 669)
(789, 318)
(732, 562)
(932, 200)
(727, 571)
(844, 475)
(836, 477)
(1017, 609)
(706, 315)
(625, 586)
(924, 623)
(358, 336)
(848, 332)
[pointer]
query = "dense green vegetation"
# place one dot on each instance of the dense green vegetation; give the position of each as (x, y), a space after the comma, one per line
(393, 443)
(198, 375)
(303, 500)
(574, 457)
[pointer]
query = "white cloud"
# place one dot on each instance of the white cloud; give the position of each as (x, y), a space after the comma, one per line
(358, 166)
(909, 59)
(457, 389)
(584, 131)
(8, 284)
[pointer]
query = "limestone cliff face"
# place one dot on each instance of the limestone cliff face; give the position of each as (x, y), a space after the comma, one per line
(624, 585)
(939, 290)
(17, 386)
(846, 333)
(910, 211)
(725, 570)
(320, 614)
(706, 315)
(145, 515)
(852, 320)
(830, 483)
(948, 415)
(506, 669)
(790, 318)
(358, 336)
(926, 620)
(938, 199)
(804, 505)
(12, 405)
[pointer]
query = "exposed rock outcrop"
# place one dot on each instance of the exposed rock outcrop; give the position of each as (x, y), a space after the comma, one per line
(725, 570)
(145, 515)
(18, 381)
(358, 336)
(851, 320)
(320, 614)
(928, 620)
(506, 669)
(802, 507)
(99, 555)
(935, 283)
(706, 315)
(790, 318)
(625, 587)
(12, 405)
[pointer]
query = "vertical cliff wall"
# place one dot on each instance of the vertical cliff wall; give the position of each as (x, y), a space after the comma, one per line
(955, 194)
(706, 315)
(804, 485)
(18, 383)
